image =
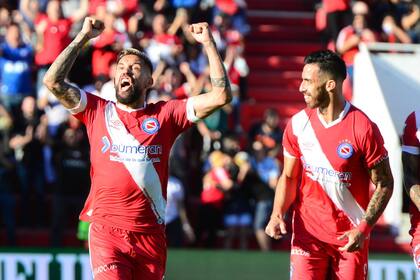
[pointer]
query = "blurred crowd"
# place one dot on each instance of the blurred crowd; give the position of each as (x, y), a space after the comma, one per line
(222, 179)
(219, 179)
(345, 24)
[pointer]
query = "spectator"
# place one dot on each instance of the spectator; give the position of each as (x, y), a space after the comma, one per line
(237, 213)
(52, 30)
(268, 132)
(106, 46)
(262, 182)
(411, 21)
(236, 11)
(338, 15)
(178, 229)
(161, 45)
(351, 36)
(15, 69)
(392, 32)
(27, 139)
(71, 158)
(216, 182)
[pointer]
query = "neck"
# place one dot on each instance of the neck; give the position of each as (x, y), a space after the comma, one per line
(139, 104)
(332, 110)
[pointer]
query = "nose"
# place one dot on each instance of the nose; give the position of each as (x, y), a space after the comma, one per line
(302, 88)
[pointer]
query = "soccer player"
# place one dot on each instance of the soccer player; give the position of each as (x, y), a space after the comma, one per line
(331, 153)
(411, 166)
(130, 144)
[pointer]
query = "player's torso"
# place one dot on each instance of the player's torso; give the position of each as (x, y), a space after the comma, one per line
(129, 155)
(144, 140)
(335, 184)
(331, 156)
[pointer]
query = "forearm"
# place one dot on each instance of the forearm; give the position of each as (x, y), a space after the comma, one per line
(218, 77)
(285, 195)
(378, 203)
(54, 79)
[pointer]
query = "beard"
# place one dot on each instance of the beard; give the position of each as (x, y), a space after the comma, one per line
(128, 97)
(321, 99)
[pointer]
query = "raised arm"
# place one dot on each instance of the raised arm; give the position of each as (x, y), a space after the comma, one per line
(284, 197)
(411, 164)
(220, 94)
(55, 77)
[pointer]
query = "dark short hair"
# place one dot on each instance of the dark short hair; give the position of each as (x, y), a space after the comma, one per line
(142, 55)
(328, 62)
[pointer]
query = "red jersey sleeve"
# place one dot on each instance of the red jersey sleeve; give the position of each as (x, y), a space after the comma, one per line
(410, 137)
(290, 143)
(177, 111)
(373, 146)
(88, 114)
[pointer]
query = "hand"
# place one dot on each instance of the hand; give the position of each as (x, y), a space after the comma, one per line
(276, 227)
(184, 67)
(201, 32)
(92, 27)
(355, 241)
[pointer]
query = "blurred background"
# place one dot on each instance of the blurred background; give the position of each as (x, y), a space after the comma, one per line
(224, 170)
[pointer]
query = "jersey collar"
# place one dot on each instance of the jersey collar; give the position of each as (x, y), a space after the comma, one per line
(339, 119)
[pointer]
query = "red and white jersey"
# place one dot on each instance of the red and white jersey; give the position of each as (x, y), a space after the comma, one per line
(411, 145)
(335, 157)
(129, 160)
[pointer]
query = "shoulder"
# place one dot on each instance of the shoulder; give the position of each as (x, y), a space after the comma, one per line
(359, 118)
(300, 119)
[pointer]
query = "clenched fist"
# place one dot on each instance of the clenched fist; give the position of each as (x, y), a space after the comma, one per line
(92, 27)
(201, 32)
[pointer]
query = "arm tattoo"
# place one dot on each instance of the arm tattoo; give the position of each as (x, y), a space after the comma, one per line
(219, 82)
(381, 176)
(56, 74)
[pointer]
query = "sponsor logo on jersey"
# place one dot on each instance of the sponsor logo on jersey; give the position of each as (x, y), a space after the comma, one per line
(326, 175)
(150, 125)
(106, 145)
(121, 152)
(345, 150)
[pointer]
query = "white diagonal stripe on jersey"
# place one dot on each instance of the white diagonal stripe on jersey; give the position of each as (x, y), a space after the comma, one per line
(142, 172)
(315, 158)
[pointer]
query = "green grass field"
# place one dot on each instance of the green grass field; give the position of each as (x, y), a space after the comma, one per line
(247, 265)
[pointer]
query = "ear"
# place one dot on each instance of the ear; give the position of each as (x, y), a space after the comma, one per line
(330, 85)
(150, 82)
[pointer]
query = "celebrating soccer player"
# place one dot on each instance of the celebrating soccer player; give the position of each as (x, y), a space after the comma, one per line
(130, 144)
(333, 150)
(411, 164)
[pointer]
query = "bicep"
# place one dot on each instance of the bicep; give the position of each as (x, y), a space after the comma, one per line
(68, 95)
(205, 104)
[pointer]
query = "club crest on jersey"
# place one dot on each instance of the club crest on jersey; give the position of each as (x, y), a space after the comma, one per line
(345, 150)
(150, 125)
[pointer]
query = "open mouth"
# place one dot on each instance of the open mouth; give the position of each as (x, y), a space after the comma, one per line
(125, 84)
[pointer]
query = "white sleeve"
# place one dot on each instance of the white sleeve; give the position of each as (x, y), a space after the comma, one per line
(81, 106)
(191, 112)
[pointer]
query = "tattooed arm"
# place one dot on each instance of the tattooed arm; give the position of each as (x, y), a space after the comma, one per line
(381, 176)
(220, 94)
(411, 165)
(55, 77)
